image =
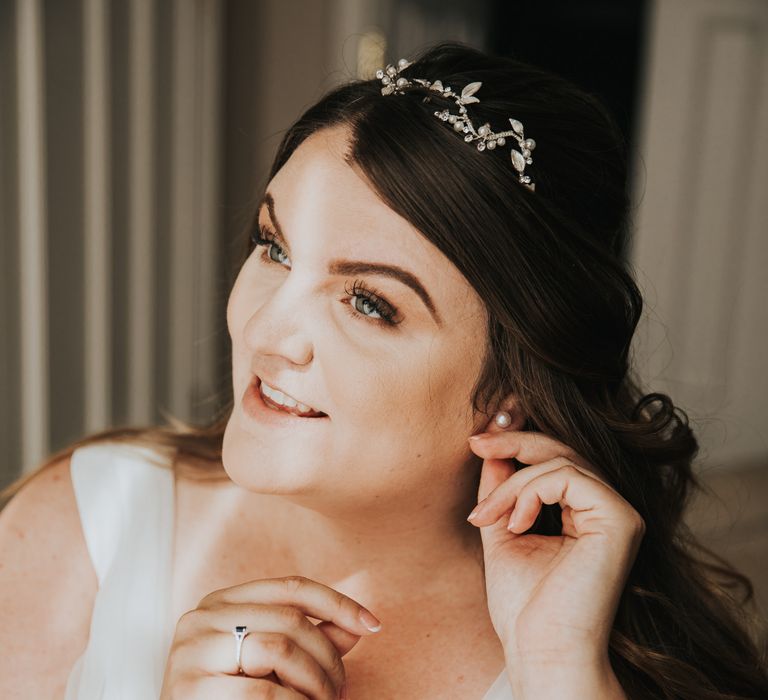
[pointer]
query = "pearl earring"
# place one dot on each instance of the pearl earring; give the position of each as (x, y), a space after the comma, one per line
(503, 419)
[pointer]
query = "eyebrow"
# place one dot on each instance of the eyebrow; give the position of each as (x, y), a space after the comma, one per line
(361, 267)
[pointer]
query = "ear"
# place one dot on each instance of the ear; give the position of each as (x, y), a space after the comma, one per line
(511, 405)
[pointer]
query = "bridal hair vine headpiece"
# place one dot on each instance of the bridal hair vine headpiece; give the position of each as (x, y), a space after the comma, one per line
(394, 83)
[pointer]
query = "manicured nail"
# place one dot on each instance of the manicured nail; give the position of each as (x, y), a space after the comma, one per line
(476, 510)
(481, 436)
(369, 621)
(343, 692)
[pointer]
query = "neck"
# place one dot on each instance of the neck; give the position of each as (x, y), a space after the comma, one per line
(378, 556)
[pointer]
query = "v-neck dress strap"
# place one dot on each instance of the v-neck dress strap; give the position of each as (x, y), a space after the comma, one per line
(125, 498)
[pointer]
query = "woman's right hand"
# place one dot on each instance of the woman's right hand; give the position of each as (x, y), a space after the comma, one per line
(284, 654)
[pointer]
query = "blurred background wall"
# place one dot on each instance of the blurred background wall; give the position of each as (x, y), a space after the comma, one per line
(134, 135)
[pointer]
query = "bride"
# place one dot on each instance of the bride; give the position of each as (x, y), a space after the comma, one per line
(432, 312)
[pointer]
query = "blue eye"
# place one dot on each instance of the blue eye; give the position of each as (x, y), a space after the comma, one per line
(387, 314)
(367, 301)
(267, 240)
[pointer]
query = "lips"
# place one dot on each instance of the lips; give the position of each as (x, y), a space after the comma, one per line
(294, 410)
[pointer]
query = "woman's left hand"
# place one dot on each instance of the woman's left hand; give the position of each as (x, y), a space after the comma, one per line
(552, 599)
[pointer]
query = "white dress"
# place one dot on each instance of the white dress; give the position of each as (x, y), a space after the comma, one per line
(126, 503)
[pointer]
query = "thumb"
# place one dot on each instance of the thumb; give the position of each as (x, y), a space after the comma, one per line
(340, 638)
(493, 473)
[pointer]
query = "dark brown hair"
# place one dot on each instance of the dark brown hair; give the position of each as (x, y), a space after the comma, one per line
(562, 308)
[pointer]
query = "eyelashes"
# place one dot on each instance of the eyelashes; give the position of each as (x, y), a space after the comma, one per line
(365, 299)
(369, 297)
(267, 240)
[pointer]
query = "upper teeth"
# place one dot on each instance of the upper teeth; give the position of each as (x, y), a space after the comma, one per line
(280, 398)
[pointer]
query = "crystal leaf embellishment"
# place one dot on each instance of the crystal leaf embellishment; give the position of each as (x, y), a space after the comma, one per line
(517, 160)
(461, 123)
(471, 89)
(468, 91)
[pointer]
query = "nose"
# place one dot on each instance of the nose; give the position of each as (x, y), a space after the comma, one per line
(280, 326)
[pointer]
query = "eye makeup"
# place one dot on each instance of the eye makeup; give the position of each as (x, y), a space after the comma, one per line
(366, 299)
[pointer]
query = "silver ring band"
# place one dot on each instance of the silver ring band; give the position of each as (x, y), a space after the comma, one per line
(240, 633)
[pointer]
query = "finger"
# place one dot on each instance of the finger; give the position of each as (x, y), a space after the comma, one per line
(340, 638)
(494, 472)
(504, 496)
(311, 597)
(592, 504)
(530, 447)
(264, 652)
(260, 618)
(235, 688)
(527, 446)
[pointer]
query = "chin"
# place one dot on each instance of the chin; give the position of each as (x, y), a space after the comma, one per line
(263, 469)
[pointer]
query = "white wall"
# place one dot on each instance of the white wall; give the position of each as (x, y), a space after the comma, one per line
(701, 240)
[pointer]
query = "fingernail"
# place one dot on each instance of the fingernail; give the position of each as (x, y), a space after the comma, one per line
(343, 692)
(476, 510)
(369, 621)
(481, 436)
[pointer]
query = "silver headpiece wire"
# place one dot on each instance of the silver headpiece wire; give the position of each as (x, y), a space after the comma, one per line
(395, 83)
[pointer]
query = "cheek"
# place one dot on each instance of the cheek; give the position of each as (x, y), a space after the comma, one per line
(448, 377)
(248, 293)
(230, 314)
(233, 306)
(418, 389)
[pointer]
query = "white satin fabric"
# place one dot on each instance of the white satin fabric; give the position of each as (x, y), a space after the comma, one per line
(126, 506)
(126, 510)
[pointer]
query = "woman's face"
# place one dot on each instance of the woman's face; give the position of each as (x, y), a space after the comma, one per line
(397, 397)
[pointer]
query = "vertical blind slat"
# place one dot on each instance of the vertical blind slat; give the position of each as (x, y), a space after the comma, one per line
(141, 225)
(97, 204)
(32, 235)
(209, 177)
(185, 222)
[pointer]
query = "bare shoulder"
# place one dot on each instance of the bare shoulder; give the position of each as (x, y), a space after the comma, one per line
(47, 586)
